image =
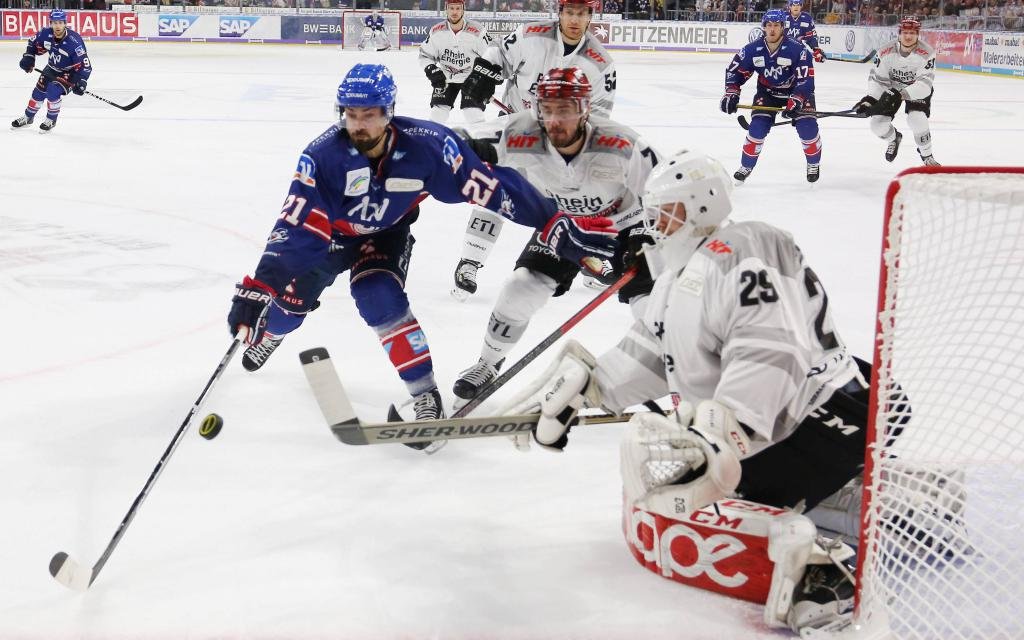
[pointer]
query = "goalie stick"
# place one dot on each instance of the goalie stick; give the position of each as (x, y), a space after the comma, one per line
(73, 575)
(337, 409)
(123, 107)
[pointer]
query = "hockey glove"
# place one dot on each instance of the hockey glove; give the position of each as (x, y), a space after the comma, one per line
(436, 76)
(794, 106)
(28, 62)
(865, 106)
(819, 55)
(249, 309)
(479, 86)
(79, 87)
(731, 99)
(888, 102)
(636, 240)
(586, 241)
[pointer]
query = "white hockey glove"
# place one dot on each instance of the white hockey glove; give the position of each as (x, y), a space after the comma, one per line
(672, 467)
(564, 388)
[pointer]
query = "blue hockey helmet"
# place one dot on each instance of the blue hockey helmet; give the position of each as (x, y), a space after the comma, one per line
(58, 15)
(368, 85)
(794, 2)
(773, 15)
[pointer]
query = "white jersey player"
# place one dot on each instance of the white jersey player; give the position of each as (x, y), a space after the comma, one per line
(592, 168)
(375, 33)
(523, 57)
(769, 404)
(904, 71)
(447, 56)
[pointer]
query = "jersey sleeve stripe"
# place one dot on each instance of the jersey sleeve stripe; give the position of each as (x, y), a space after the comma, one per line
(318, 223)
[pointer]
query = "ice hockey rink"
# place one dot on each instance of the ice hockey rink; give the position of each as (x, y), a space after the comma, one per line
(121, 237)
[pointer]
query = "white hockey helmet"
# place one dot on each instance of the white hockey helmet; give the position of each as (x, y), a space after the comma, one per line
(687, 197)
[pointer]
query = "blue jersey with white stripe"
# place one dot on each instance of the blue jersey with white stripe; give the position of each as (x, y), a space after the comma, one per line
(789, 70)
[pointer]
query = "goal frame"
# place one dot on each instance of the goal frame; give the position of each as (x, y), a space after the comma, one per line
(396, 38)
(877, 626)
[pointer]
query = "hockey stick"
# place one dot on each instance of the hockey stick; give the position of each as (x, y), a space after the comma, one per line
(867, 58)
(501, 105)
(128, 107)
(71, 574)
(345, 425)
(849, 113)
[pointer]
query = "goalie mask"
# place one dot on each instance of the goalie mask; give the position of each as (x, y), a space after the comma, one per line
(563, 105)
(687, 197)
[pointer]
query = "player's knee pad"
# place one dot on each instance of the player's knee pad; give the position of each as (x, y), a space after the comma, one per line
(523, 295)
(55, 91)
(439, 113)
(473, 114)
(760, 126)
(881, 126)
(807, 128)
(482, 232)
(379, 297)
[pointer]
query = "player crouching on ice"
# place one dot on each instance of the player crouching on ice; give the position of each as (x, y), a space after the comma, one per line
(738, 327)
(67, 70)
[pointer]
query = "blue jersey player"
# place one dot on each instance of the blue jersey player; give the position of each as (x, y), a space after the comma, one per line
(785, 81)
(67, 69)
(800, 27)
(352, 200)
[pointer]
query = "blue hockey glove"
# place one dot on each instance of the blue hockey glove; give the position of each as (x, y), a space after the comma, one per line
(586, 241)
(249, 309)
(731, 99)
(79, 87)
(28, 62)
(794, 106)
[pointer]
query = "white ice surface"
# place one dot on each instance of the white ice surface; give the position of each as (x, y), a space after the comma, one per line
(121, 235)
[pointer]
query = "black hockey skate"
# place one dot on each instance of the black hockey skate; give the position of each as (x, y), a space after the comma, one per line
(472, 380)
(257, 355)
(894, 147)
(741, 174)
(47, 125)
(465, 279)
(824, 595)
(428, 406)
(23, 121)
(813, 172)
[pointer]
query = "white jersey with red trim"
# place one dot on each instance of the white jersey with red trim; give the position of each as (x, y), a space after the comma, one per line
(535, 48)
(454, 51)
(605, 178)
(911, 73)
(745, 323)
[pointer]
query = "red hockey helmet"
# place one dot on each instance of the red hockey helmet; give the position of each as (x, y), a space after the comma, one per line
(909, 23)
(448, 2)
(593, 5)
(569, 83)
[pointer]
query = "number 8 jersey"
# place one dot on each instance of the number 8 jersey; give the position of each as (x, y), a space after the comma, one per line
(746, 323)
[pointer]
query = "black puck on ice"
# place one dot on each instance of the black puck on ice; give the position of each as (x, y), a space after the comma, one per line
(211, 426)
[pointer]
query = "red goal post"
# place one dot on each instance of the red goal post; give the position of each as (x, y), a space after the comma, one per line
(942, 520)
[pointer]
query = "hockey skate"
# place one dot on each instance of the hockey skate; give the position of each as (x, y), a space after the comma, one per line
(741, 174)
(894, 147)
(465, 279)
(812, 172)
(928, 160)
(47, 125)
(23, 121)
(592, 282)
(428, 406)
(257, 355)
(824, 595)
(472, 380)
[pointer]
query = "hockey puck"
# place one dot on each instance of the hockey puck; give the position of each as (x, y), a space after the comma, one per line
(211, 426)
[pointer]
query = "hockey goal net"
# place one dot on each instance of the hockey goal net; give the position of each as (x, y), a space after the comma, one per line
(941, 553)
(355, 34)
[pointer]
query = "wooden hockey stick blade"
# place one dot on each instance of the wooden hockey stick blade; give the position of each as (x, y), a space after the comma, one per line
(69, 573)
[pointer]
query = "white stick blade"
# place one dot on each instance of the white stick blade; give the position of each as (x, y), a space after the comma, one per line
(69, 573)
(327, 387)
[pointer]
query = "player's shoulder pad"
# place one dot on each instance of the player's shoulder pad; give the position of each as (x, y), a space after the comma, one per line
(523, 134)
(546, 29)
(476, 28)
(595, 52)
(734, 243)
(330, 136)
(924, 49)
(888, 49)
(421, 130)
(608, 136)
(440, 26)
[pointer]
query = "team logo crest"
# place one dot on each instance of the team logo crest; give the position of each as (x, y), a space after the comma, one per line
(306, 171)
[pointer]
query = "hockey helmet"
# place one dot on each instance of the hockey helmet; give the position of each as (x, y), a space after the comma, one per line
(909, 23)
(773, 15)
(686, 198)
(593, 5)
(569, 83)
(58, 15)
(368, 85)
(448, 2)
(792, 3)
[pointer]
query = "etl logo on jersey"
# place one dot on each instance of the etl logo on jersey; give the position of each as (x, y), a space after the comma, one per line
(236, 26)
(175, 25)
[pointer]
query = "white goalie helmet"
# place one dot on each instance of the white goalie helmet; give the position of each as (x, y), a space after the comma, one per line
(687, 197)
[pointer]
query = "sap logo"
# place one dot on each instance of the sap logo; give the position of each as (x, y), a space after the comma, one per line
(306, 171)
(522, 141)
(418, 341)
(236, 26)
(175, 25)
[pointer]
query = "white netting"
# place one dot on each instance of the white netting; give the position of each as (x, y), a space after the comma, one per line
(354, 31)
(945, 524)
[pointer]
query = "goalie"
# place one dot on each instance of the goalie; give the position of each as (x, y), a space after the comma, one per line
(738, 325)
(375, 34)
